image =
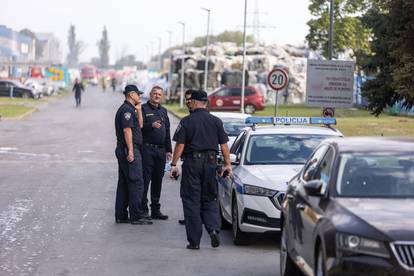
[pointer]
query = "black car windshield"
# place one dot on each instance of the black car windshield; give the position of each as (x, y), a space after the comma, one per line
(387, 174)
(233, 126)
(281, 148)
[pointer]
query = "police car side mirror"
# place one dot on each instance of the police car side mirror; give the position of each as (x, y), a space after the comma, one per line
(313, 187)
(233, 159)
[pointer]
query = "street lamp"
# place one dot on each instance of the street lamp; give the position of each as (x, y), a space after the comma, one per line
(170, 67)
(159, 53)
(207, 44)
(244, 58)
(182, 67)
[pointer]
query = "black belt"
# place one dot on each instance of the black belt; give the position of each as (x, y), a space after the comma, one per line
(154, 146)
(123, 145)
(203, 155)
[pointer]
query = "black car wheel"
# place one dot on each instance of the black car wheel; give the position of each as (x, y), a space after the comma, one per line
(320, 268)
(249, 109)
(239, 237)
(287, 266)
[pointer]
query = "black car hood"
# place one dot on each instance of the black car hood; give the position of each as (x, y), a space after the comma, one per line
(392, 217)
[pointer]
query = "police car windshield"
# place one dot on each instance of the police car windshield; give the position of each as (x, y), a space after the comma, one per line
(281, 148)
(382, 175)
(233, 126)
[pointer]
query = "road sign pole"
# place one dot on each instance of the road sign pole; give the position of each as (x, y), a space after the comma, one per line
(276, 102)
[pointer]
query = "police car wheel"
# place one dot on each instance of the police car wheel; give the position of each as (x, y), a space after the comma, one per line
(239, 237)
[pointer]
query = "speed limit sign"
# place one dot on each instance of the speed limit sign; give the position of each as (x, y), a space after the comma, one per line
(277, 79)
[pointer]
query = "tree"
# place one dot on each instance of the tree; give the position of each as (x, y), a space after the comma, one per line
(392, 61)
(104, 46)
(75, 48)
(349, 31)
(226, 36)
(128, 60)
(38, 44)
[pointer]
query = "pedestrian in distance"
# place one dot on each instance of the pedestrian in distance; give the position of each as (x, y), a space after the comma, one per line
(103, 83)
(156, 150)
(197, 139)
(128, 123)
(78, 89)
(113, 84)
(187, 98)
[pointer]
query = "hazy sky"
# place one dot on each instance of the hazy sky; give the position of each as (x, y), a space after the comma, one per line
(133, 24)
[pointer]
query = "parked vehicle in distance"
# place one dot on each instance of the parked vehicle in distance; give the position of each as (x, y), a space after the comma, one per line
(264, 158)
(89, 74)
(229, 98)
(16, 89)
(233, 123)
(349, 211)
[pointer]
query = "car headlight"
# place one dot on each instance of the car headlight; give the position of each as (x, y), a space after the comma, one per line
(360, 245)
(258, 191)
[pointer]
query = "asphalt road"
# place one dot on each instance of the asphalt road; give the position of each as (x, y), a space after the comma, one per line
(58, 177)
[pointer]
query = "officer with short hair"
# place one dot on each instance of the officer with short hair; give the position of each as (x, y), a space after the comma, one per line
(197, 138)
(128, 122)
(156, 149)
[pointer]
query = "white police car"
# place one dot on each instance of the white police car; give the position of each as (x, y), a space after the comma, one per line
(264, 159)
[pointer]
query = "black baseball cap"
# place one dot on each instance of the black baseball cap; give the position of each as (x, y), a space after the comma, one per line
(132, 88)
(199, 95)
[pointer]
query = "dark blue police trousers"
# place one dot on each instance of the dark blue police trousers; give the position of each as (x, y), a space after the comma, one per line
(199, 196)
(153, 163)
(130, 185)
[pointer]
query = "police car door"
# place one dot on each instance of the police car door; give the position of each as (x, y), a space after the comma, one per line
(226, 184)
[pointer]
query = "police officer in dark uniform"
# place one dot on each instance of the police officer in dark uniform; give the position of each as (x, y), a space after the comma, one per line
(197, 138)
(156, 150)
(78, 89)
(187, 98)
(128, 122)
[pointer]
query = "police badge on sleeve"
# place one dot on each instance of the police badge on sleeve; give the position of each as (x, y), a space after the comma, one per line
(127, 115)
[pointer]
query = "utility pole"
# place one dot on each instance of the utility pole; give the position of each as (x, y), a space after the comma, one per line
(331, 23)
(244, 59)
(207, 44)
(182, 67)
(159, 54)
(170, 67)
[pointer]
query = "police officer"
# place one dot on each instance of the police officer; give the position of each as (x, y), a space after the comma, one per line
(197, 138)
(187, 98)
(156, 149)
(128, 122)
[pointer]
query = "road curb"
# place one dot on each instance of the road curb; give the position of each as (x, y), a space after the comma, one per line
(21, 117)
(174, 114)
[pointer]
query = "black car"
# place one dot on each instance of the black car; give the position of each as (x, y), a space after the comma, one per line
(12, 88)
(350, 210)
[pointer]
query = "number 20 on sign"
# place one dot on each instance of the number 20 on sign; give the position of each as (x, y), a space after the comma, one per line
(277, 80)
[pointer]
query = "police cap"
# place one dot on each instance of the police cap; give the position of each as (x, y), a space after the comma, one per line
(199, 95)
(132, 88)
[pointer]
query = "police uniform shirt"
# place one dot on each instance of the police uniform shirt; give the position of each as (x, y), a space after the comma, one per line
(157, 136)
(200, 131)
(126, 117)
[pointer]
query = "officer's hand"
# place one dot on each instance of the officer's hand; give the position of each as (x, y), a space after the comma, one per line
(174, 173)
(156, 124)
(229, 170)
(169, 156)
(130, 156)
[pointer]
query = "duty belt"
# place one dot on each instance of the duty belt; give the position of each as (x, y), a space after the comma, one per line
(154, 146)
(203, 155)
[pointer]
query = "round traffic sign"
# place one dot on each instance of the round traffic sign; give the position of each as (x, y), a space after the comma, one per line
(277, 79)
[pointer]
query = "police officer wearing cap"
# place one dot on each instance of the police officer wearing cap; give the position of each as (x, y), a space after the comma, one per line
(156, 150)
(197, 139)
(128, 122)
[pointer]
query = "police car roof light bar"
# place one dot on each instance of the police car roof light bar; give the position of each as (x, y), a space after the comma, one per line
(290, 120)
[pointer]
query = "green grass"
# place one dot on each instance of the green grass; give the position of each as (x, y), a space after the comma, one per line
(13, 110)
(20, 100)
(351, 122)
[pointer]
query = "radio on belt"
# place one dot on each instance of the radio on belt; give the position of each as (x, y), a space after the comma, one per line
(290, 120)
